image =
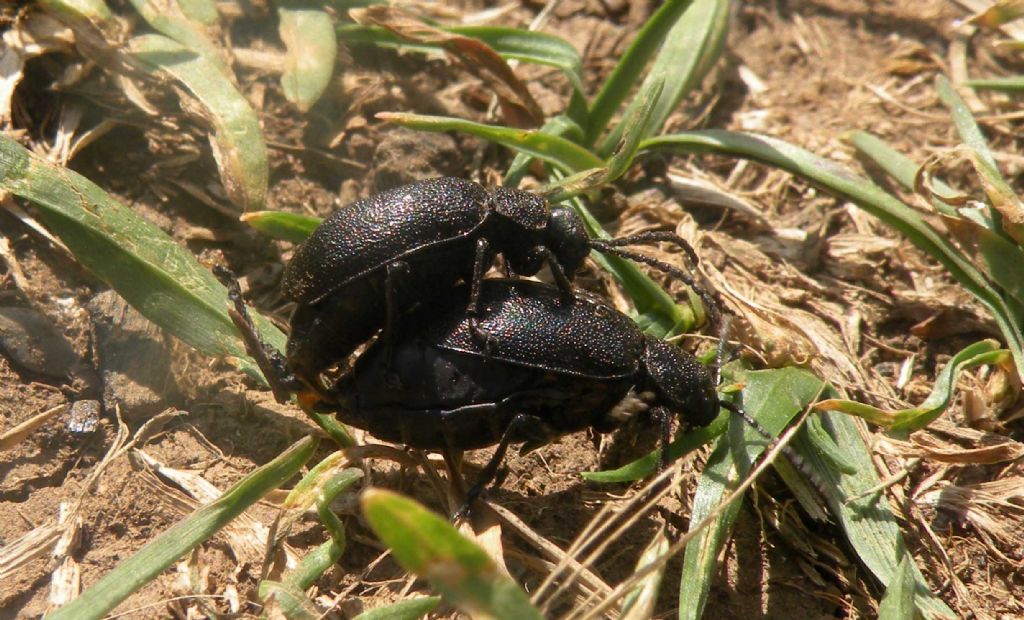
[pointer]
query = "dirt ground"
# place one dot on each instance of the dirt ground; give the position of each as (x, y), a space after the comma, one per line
(805, 70)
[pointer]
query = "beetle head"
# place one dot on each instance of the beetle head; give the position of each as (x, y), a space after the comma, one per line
(567, 239)
(682, 384)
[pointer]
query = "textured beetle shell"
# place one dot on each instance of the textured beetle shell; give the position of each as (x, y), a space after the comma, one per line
(577, 336)
(368, 234)
(682, 382)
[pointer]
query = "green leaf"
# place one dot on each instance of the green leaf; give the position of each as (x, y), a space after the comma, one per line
(773, 398)
(312, 46)
(545, 147)
(848, 186)
(173, 543)
(916, 418)
(631, 66)
(282, 225)
(405, 610)
(159, 278)
(238, 140)
(898, 603)
(510, 43)
(691, 49)
(426, 544)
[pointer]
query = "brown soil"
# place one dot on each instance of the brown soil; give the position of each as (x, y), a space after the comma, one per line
(807, 71)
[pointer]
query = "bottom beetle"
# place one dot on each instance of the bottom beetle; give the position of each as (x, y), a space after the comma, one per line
(552, 365)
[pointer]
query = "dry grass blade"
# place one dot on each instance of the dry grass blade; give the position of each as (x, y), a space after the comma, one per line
(518, 105)
(14, 436)
(642, 572)
(553, 552)
(599, 528)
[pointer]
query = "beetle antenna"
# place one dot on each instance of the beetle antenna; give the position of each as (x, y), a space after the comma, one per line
(655, 236)
(798, 461)
(710, 304)
(720, 352)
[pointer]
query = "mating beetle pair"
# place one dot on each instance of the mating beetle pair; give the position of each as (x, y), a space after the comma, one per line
(377, 258)
(490, 361)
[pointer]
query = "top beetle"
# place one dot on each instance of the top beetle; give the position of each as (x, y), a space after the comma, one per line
(376, 258)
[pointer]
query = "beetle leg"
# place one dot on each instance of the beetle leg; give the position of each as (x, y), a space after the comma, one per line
(518, 424)
(473, 310)
(270, 361)
(664, 420)
(394, 272)
(561, 279)
(453, 462)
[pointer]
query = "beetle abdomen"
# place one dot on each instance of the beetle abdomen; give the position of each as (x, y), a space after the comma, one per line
(578, 336)
(436, 398)
(370, 233)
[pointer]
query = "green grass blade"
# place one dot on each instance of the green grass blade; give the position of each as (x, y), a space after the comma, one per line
(284, 600)
(647, 465)
(774, 398)
(201, 11)
(552, 149)
(898, 603)
(561, 126)
(161, 279)
(866, 195)
(411, 609)
(638, 129)
(1002, 197)
(89, 11)
(510, 43)
(898, 166)
(311, 47)
(631, 66)
(429, 546)
(916, 418)
(1000, 257)
(238, 140)
(963, 120)
(691, 49)
(177, 27)
(175, 542)
(869, 525)
(282, 225)
(1013, 84)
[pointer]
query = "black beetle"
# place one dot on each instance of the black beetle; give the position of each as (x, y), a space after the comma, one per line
(376, 258)
(554, 364)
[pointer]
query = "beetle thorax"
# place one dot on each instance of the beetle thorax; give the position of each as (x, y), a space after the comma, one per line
(515, 227)
(682, 383)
